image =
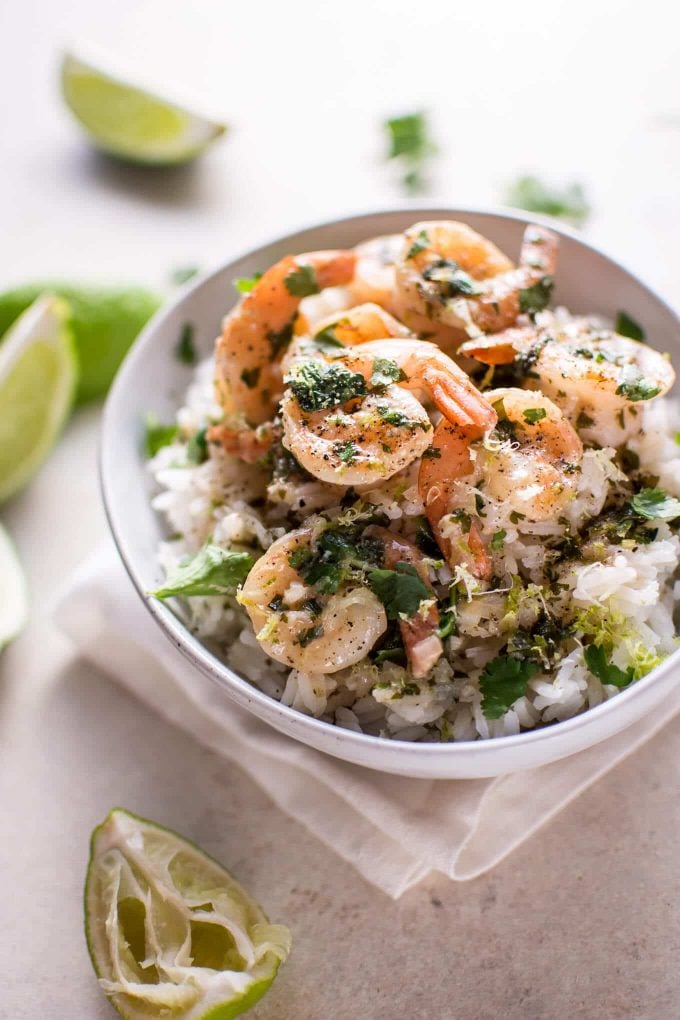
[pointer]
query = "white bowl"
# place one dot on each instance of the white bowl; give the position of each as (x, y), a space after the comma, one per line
(152, 379)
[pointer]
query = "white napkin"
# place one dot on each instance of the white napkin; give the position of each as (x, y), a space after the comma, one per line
(393, 830)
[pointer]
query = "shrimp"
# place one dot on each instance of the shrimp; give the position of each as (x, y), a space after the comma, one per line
(595, 376)
(453, 281)
(297, 626)
(247, 354)
(354, 419)
(419, 632)
(530, 464)
(374, 279)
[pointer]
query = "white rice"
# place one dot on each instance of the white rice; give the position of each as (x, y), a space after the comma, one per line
(225, 500)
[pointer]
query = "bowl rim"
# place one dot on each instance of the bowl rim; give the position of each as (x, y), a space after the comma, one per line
(239, 688)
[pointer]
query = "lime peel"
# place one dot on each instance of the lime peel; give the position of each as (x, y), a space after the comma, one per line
(38, 377)
(168, 928)
(130, 122)
(13, 591)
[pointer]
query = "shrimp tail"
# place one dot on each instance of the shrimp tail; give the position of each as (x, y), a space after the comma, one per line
(459, 401)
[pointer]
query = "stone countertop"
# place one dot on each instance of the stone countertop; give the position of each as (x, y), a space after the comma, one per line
(582, 921)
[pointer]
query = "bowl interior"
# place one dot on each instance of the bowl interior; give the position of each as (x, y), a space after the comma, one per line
(154, 380)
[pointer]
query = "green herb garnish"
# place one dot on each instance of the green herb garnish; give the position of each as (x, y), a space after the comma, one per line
(244, 284)
(498, 540)
(421, 242)
(451, 280)
(185, 350)
(605, 671)
(326, 340)
(212, 571)
(197, 447)
(534, 414)
(397, 418)
(655, 504)
(250, 376)
(346, 451)
(157, 435)
(503, 681)
(532, 194)
(385, 372)
(302, 282)
(534, 299)
(182, 274)
(626, 326)
(410, 145)
(584, 421)
(317, 385)
(309, 635)
(400, 590)
(639, 388)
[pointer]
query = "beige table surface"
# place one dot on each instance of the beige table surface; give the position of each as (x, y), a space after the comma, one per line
(583, 921)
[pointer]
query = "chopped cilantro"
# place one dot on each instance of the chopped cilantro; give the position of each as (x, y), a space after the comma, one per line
(425, 539)
(400, 590)
(185, 350)
(448, 621)
(212, 571)
(280, 339)
(432, 453)
(397, 655)
(309, 635)
(250, 376)
(393, 417)
(639, 388)
(463, 519)
(326, 340)
(516, 516)
(655, 504)
(503, 681)
(451, 280)
(536, 298)
(347, 451)
(244, 284)
(336, 556)
(421, 242)
(317, 385)
(584, 421)
(385, 372)
(498, 540)
(157, 435)
(197, 447)
(626, 326)
(605, 671)
(534, 414)
(409, 143)
(532, 194)
(302, 282)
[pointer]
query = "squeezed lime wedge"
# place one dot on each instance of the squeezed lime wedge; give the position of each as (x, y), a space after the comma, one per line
(130, 122)
(38, 377)
(13, 592)
(170, 932)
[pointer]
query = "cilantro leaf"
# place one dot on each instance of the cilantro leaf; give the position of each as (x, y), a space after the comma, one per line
(244, 284)
(638, 388)
(393, 417)
(185, 350)
(584, 421)
(655, 504)
(503, 681)
(451, 279)
(498, 540)
(421, 242)
(212, 571)
(182, 274)
(605, 671)
(534, 414)
(250, 376)
(385, 372)
(302, 282)
(626, 326)
(311, 634)
(157, 435)
(400, 590)
(326, 340)
(197, 447)
(317, 385)
(346, 451)
(536, 298)
(410, 144)
(568, 203)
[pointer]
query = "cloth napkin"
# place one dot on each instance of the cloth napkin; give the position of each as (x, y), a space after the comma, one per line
(394, 830)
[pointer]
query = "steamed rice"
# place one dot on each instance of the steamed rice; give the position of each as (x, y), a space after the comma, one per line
(629, 587)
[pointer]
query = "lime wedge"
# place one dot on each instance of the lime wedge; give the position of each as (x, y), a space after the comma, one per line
(13, 592)
(105, 322)
(170, 932)
(129, 122)
(38, 376)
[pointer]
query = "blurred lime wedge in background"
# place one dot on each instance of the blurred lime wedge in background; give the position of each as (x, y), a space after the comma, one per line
(38, 376)
(104, 320)
(170, 932)
(13, 592)
(131, 123)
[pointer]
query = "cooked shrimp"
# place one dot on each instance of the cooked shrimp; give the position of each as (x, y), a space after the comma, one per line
(348, 328)
(374, 272)
(452, 280)
(249, 445)
(297, 626)
(254, 334)
(419, 632)
(596, 376)
(529, 463)
(354, 420)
